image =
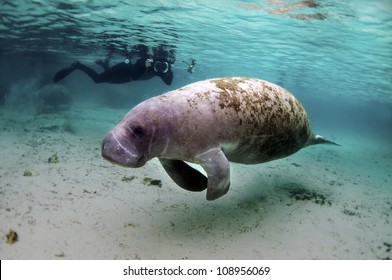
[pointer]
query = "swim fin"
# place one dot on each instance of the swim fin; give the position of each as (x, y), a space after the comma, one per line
(63, 73)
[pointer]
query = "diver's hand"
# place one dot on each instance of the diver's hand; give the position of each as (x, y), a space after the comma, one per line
(149, 62)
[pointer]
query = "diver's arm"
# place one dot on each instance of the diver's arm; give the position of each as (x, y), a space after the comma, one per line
(139, 69)
(167, 78)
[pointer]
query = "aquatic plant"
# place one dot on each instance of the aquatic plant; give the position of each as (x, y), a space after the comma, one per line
(128, 178)
(12, 237)
(27, 173)
(299, 193)
(53, 159)
(152, 182)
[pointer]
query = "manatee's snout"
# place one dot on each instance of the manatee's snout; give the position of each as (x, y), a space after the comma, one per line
(119, 150)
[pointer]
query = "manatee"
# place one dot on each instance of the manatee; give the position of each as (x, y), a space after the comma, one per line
(211, 122)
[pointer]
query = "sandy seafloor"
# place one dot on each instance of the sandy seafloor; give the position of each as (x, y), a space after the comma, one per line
(80, 208)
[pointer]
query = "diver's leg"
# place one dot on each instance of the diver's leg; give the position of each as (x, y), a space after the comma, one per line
(89, 72)
(63, 73)
(104, 63)
(77, 65)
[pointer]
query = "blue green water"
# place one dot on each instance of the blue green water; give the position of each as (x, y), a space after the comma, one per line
(338, 52)
(335, 56)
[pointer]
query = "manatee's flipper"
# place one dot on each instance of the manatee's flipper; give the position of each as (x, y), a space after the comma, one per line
(318, 139)
(183, 175)
(217, 167)
(63, 73)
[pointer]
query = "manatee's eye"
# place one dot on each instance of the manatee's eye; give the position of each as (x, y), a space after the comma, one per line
(138, 131)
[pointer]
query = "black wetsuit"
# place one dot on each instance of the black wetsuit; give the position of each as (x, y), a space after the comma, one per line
(118, 74)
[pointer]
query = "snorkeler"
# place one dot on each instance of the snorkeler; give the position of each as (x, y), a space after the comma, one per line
(191, 65)
(145, 68)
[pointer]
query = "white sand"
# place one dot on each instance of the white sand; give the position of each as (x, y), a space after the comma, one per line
(79, 208)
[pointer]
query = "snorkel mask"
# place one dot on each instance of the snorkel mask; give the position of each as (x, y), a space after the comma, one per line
(161, 67)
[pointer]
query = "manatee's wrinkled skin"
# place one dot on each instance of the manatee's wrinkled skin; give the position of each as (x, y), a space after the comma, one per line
(211, 122)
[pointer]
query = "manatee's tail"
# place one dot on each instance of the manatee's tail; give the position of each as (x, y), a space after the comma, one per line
(317, 139)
